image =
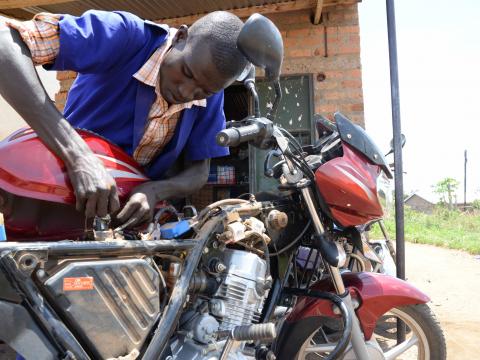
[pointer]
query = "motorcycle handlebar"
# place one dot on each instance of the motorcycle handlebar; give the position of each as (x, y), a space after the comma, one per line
(236, 135)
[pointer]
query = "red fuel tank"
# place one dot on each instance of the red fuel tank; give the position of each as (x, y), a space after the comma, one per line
(29, 169)
(348, 185)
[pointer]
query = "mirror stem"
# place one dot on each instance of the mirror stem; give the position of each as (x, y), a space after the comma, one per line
(250, 85)
(278, 97)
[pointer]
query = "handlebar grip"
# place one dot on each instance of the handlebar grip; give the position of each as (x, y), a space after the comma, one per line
(236, 135)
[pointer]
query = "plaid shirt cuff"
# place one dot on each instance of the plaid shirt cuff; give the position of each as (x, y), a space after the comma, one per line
(41, 35)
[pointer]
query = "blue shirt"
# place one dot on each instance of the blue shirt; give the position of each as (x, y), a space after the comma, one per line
(106, 49)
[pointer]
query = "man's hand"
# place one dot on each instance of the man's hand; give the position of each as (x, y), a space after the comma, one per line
(95, 189)
(140, 207)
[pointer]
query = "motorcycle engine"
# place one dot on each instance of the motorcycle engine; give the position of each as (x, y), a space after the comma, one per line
(241, 278)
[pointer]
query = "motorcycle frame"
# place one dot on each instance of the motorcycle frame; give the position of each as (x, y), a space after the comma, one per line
(353, 289)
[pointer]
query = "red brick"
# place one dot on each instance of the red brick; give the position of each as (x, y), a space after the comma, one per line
(320, 51)
(294, 53)
(60, 96)
(310, 41)
(298, 33)
(352, 83)
(66, 84)
(335, 74)
(354, 73)
(326, 108)
(327, 85)
(347, 49)
(63, 75)
(332, 95)
(356, 107)
(352, 29)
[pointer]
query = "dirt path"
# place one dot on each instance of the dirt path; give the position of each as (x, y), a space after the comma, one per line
(452, 279)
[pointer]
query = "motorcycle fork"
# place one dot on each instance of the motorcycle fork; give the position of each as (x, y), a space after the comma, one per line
(358, 339)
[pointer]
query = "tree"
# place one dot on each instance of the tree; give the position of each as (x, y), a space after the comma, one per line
(446, 189)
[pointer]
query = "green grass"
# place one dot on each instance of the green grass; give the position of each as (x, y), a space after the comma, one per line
(451, 229)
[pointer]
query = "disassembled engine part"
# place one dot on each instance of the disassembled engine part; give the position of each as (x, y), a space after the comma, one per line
(277, 220)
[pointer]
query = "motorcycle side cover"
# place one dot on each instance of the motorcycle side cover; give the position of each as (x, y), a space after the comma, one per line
(376, 293)
(29, 169)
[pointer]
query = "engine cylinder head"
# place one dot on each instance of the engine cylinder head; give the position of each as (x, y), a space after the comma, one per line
(237, 300)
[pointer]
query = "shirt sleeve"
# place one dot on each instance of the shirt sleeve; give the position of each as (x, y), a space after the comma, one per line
(202, 143)
(98, 41)
(40, 35)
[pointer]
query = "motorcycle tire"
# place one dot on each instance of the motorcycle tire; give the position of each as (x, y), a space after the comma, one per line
(293, 338)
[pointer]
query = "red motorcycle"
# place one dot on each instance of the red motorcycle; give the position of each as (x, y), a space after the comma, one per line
(230, 282)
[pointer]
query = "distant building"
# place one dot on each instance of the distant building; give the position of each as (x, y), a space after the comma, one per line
(418, 203)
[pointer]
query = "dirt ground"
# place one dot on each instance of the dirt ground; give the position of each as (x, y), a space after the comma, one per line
(452, 280)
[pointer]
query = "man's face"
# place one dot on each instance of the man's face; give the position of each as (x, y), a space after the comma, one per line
(188, 73)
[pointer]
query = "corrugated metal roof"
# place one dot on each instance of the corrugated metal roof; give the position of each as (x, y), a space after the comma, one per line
(152, 9)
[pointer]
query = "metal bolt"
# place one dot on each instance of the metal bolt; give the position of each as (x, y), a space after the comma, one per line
(205, 250)
(215, 244)
(375, 156)
(220, 267)
(349, 136)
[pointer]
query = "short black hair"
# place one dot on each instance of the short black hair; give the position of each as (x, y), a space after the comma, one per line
(219, 30)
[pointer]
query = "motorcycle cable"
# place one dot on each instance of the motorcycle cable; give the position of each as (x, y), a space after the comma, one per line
(347, 317)
(295, 142)
(301, 165)
(289, 246)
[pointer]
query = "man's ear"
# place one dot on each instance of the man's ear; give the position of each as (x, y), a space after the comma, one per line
(181, 35)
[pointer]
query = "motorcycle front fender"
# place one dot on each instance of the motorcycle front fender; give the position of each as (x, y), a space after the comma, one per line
(376, 294)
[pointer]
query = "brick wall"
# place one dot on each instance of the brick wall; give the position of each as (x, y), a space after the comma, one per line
(330, 50)
(335, 64)
(66, 79)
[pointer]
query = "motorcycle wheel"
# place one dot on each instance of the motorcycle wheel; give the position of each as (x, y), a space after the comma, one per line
(424, 337)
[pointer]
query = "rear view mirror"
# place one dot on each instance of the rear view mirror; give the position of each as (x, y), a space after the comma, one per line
(404, 140)
(261, 43)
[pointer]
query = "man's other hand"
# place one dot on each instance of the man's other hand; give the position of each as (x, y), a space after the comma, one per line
(140, 207)
(95, 189)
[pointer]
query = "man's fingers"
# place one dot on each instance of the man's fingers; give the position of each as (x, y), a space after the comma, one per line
(80, 202)
(113, 202)
(91, 206)
(147, 217)
(102, 203)
(127, 212)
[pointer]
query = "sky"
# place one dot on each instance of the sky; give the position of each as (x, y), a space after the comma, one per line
(439, 74)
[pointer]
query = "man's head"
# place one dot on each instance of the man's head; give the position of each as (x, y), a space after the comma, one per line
(203, 59)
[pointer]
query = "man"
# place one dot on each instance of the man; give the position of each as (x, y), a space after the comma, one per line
(153, 90)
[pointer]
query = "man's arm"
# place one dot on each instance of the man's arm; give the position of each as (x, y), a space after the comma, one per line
(95, 189)
(139, 209)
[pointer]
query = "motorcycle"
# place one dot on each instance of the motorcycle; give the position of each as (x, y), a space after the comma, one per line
(226, 283)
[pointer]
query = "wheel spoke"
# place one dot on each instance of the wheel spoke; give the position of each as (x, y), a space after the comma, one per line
(320, 348)
(394, 352)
